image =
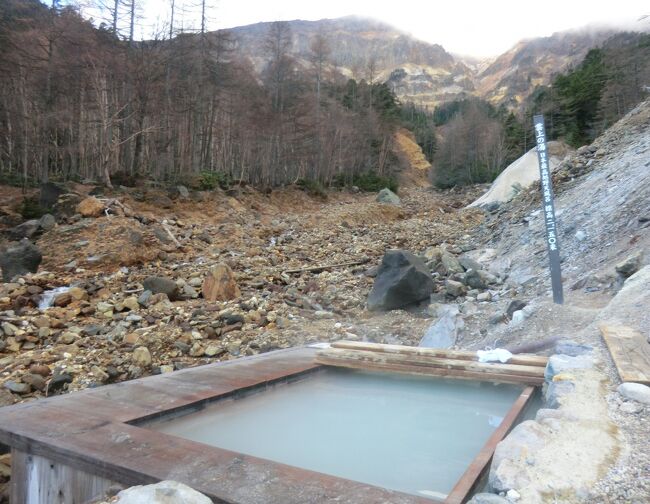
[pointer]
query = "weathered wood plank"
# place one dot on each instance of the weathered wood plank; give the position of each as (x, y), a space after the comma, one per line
(39, 480)
(430, 361)
(521, 359)
(630, 351)
(429, 371)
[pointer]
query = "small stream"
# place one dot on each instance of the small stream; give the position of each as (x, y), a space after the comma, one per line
(47, 298)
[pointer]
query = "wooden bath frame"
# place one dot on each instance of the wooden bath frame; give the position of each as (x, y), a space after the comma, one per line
(72, 448)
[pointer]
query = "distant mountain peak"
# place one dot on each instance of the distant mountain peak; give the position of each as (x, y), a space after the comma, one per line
(425, 73)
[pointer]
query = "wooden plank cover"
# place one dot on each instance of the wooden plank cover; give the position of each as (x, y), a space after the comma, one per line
(630, 351)
(523, 359)
(429, 371)
(431, 365)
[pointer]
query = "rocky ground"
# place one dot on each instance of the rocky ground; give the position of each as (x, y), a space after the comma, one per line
(89, 336)
(158, 280)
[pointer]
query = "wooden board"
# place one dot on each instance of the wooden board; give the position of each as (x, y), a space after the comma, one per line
(630, 351)
(523, 359)
(39, 480)
(422, 360)
(431, 365)
(430, 371)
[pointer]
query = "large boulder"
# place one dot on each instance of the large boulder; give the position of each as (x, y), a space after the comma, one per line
(479, 279)
(468, 263)
(163, 492)
(474, 279)
(27, 229)
(508, 468)
(388, 197)
(444, 332)
(220, 284)
(455, 289)
(449, 264)
(558, 364)
(22, 258)
(90, 207)
(47, 222)
(66, 205)
(402, 279)
(629, 266)
(162, 285)
(520, 174)
(183, 192)
(635, 392)
(49, 194)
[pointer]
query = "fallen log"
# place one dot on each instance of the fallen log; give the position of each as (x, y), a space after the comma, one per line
(327, 266)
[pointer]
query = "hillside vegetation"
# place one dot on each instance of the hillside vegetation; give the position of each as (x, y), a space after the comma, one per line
(608, 83)
(79, 102)
(478, 140)
(314, 103)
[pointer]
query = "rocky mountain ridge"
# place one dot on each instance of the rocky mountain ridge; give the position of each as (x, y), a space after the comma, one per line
(423, 73)
(416, 70)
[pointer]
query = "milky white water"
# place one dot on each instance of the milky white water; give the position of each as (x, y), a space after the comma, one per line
(412, 434)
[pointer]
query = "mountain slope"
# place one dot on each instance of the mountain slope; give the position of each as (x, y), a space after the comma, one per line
(423, 73)
(415, 70)
(514, 74)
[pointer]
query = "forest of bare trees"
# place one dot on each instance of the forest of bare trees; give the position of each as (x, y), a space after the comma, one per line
(473, 147)
(93, 103)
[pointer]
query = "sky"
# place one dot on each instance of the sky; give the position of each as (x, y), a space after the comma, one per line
(478, 28)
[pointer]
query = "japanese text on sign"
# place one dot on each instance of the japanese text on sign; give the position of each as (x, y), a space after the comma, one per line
(552, 239)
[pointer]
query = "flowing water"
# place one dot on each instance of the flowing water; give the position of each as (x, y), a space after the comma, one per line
(412, 434)
(47, 298)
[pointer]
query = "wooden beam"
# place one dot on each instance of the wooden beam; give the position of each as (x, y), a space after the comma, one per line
(428, 361)
(327, 266)
(522, 359)
(630, 351)
(439, 367)
(431, 371)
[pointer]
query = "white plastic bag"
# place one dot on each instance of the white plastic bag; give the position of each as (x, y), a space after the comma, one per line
(498, 354)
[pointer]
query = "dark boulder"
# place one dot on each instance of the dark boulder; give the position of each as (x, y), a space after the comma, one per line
(515, 305)
(28, 229)
(22, 258)
(468, 263)
(402, 279)
(49, 194)
(162, 285)
(475, 280)
(47, 222)
(66, 205)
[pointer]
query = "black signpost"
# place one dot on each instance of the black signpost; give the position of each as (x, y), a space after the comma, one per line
(548, 210)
